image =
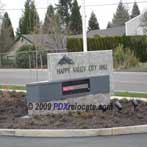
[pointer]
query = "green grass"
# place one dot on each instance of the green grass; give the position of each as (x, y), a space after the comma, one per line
(131, 94)
(141, 67)
(12, 87)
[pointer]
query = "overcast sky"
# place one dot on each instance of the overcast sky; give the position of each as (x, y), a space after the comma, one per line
(103, 13)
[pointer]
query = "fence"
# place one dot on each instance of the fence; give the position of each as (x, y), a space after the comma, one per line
(31, 59)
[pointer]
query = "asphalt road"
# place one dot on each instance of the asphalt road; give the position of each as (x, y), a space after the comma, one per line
(122, 81)
(139, 140)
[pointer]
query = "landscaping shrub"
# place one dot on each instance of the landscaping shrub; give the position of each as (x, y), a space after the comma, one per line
(7, 63)
(26, 57)
(124, 58)
(137, 44)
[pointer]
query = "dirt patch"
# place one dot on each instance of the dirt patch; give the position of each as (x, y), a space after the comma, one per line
(13, 106)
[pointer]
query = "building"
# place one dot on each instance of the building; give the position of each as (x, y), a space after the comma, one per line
(114, 31)
(45, 42)
(134, 26)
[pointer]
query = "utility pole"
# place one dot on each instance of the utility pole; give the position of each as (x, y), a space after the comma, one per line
(84, 27)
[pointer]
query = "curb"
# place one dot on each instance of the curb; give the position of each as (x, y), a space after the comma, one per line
(128, 98)
(11, 90)
(74, 132)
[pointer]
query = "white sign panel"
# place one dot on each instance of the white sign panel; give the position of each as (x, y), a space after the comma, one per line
(73, 65)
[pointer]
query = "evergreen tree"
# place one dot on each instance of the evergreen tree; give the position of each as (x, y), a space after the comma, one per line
(64, 11)
(93, 23)
(75, 19)
(29, 22)
(48, 18)
(135, 10)
(7, 33)
(35, 25)
(109, 25)
(121, 15)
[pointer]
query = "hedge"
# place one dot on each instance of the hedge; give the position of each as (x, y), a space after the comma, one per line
(138, 44)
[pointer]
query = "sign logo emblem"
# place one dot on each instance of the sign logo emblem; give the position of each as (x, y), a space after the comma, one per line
(65, 60)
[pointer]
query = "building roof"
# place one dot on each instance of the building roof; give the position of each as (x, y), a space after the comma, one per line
(134, 19)
(41, 41)
(47, 42)
(115, 31)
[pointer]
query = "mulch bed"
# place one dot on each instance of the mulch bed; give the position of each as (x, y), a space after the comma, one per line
(13, 106)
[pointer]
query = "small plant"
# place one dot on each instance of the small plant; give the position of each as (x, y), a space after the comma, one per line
(124, 58)
(87, 115)
(37, 117)
(84, 127)
(131, 60)
(1, 92)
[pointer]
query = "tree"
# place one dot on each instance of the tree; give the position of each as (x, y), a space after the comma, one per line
(58, 35)
(64, 11)
(135, 10)
(48, 18)
(143, 22)
(93, 23)
(109, 25)
(25, 57)
(121, 15)
(7, 33)
(75, 19)
(35, 25)
(29, 22)
(1, 8)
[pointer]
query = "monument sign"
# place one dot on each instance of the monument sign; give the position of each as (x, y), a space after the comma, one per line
(76, 77)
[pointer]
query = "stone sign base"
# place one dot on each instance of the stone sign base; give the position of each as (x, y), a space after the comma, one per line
(86, 103)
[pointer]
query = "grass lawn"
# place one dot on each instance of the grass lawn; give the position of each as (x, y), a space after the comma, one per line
(130, 94)
(12, 87)
(141, 67)
(123, 94)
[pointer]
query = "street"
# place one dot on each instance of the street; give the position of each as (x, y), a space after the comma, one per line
(139, 140)
(126, 81)
(122, 81)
